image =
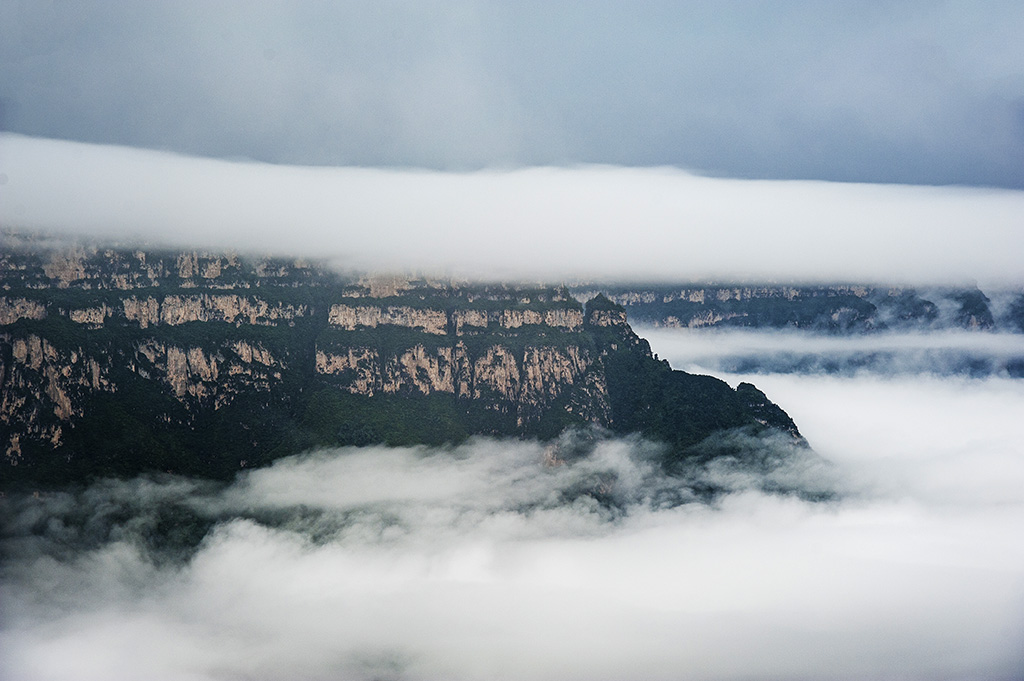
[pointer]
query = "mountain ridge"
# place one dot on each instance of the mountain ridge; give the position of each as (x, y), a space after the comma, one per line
(822, 308)
(120, 361)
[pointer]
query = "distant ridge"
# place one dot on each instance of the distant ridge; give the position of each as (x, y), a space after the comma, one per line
(827, 308)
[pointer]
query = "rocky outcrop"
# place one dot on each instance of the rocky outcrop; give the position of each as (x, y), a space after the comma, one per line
(209, 378)
(13, 309)
(370, 317)
(458, 321)
(43, 387)
(530, 379)
(183, 309)
(92, 316)
(607, 317)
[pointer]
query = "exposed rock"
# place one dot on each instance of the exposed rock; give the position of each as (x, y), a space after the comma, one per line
(42, 382)
(93, 316)
(65, 268)
(498, 372)
(13, 309)
(149, 361)
(607, 318)
(234, 309)
(531, 380)
(363, 363)
(369, 317)
(250, 353)
(477, 319)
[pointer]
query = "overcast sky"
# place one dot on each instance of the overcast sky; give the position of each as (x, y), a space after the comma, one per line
(913, 92)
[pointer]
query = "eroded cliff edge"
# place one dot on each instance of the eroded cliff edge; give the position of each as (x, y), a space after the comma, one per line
(117, 361)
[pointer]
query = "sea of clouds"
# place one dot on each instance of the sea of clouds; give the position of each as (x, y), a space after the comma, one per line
(935, 353)
(891, 551)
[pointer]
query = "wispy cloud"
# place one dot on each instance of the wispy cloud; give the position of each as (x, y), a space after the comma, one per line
(482, 562)
(940, 353)
(551, 223)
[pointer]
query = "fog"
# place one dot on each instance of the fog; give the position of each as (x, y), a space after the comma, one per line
(937, 353)
(891, 551)
(535, 223)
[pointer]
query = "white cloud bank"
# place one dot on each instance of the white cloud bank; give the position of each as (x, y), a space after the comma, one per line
(479, 563)
(551, 223)
(796, 351)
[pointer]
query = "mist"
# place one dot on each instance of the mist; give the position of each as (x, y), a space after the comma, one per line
(522, 141)
(935, 353)
(889, 551)
(547, 223)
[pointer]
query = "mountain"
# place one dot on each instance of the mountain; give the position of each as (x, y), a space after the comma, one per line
(835, 308)
(116, 361)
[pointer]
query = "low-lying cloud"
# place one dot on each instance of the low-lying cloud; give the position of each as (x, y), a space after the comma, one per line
(940, 353)
(547, 223)
(583, 561)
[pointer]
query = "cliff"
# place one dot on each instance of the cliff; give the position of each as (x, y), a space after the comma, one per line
(116, 361)
(834, 308)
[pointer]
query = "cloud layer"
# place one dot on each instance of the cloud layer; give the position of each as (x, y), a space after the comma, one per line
(548, 223)
(482, 562)
(941, 353)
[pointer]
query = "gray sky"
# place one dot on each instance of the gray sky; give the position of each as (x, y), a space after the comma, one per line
(907, 92)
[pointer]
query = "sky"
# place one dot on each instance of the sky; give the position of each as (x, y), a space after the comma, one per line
(783, 141)
(910, 92)
(482, 562)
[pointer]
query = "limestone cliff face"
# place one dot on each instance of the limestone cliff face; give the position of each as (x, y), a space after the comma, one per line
(158, 308)
(535, 360)
(119, 361)
(43, 387)
(203, 378)
(24, 263)
(528, 380)
(13, 309)
(233, 309)
(456, 322)
(371, 316)
(608, 317)
(833, 308)
(47, 389)
(91, 316)
(174, 339)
